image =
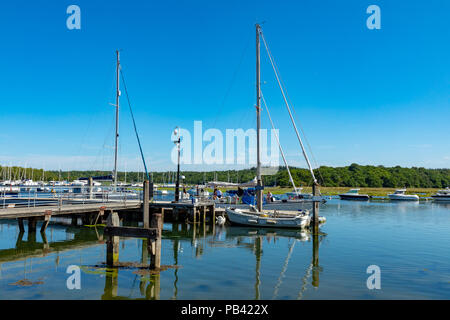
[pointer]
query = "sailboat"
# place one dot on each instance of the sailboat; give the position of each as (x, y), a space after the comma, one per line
(256, 216)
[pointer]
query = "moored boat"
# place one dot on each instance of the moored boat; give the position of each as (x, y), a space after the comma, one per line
(256, 216)
(401, 195)
(353, 194)
(442, 195)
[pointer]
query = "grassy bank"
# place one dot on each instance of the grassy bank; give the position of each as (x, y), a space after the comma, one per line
(331, 191)
(421, 192)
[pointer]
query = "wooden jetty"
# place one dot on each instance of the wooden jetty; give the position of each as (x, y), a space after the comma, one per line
(92, 212)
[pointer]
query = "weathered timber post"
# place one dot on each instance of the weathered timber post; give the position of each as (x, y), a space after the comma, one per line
(204, 214)
(151, 190)
(145, 205)
(100, 214)
(112, 244)
(32, 225)
(155, 244)
(194, 213)
(21, 227)
(91, 185)
(212, 214)
(47, 217)
(315, 220)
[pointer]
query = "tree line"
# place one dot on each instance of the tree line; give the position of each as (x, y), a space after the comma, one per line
(354, 175)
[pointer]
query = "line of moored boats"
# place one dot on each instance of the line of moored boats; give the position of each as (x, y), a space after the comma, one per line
(398, 195)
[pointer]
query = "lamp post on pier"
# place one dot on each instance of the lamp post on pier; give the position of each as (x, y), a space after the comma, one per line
(177, 141)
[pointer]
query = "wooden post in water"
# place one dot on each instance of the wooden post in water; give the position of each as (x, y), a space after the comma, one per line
(212, 214)
(112, 244)
(145, 205)
(32, 225)
(47, 217)
(155, 244)
(315, 220)
(21, 227)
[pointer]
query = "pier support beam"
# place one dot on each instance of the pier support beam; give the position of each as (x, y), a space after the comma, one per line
(32, 225)
(212, 214)
(47, 217)
(21, 227)
(112, 244)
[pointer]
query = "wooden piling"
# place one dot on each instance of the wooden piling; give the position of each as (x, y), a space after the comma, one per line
(315, 220)
(155, 244)
(21, 226)
(212, 214)
(112, 244)
(145, 205)
(32, 225)
(47, 217)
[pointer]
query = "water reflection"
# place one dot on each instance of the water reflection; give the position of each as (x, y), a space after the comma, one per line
(202, 238)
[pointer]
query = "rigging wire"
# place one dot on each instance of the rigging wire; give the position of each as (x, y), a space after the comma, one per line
(134, 124)
(283, 89)
(278, 141)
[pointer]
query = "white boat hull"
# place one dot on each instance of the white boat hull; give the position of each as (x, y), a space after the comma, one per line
(248, 218)
(441, 198)
(404, 197)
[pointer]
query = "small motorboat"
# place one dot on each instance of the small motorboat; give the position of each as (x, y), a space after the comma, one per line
(442, 195)
(401, 195)
(353, 194)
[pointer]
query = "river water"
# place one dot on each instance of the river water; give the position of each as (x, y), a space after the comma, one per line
(409, 242)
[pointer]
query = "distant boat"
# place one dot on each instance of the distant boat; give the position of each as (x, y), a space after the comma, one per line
(353, 194)
(297, 194)
(442, 195)
(400, 195)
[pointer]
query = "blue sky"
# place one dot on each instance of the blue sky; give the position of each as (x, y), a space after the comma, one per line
(368, 96)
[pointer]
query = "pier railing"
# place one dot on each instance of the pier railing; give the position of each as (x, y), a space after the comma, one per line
(35, 196)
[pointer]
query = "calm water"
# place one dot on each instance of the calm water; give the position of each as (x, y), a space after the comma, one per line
(410, 242)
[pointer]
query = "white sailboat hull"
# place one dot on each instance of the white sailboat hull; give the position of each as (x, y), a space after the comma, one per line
(247, 217)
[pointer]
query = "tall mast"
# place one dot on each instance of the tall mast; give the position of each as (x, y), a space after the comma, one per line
(259, 193)
(117, 119)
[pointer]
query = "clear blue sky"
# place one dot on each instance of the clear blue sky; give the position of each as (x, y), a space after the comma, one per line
(368, 96)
